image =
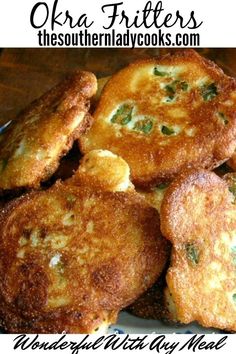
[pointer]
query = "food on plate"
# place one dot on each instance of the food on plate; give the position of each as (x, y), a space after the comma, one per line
(101, 82)
(30, 149)
(72, 256)
(165, 114)
(155, 195)
(109, 157)
(103, 170)
(150, 305)
(198, 216)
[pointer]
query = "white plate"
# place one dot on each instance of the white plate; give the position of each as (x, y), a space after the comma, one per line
(131, 324)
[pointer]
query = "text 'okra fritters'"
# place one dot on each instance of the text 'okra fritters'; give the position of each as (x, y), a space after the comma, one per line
(31, 147)
(72, 257)
(164, 114)
(198, 215)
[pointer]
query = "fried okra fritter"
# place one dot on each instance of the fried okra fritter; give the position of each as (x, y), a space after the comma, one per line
(150, 305)
(101, 169)
(165, 114)
(31, 147)
(73, 256)
(198, 216)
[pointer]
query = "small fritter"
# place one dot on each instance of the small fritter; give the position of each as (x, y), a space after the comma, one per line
(73, 256)
(103, 170)
(31, 147)
(198, 215)
(165, 114)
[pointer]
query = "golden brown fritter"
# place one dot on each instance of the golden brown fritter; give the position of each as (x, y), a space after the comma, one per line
(31, 147)
(198, 215)
(150, 305)
(164, 114)
(101, 169)
(71, 257)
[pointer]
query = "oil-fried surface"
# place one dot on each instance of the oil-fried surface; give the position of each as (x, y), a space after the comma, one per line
(32, 146)
(154, 196)
(101, 169)
(150, 305)
(164, 114)
(101, 84)
(70, 256)
(198, 215)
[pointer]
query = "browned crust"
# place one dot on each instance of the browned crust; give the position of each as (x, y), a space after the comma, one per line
(150, 305)
(56, 128)
(130, 250)
(172, 207)
(150, 164)
(198, 217)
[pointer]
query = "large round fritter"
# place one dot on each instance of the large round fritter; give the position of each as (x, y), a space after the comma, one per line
(69, 255)
(164, 114)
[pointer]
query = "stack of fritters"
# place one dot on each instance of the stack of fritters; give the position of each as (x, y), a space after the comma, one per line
(74, 253)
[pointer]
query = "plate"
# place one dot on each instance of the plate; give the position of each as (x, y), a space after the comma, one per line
(130, 324)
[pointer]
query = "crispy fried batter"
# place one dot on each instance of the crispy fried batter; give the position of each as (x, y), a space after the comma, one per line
(32, 146)
(101, 84)
(71, 257)
(198, 215)
(150, 305)
(154, 196)
(103, 170)
(164, 114)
